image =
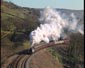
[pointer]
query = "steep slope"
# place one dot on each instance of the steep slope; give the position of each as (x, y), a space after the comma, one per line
(16, 24)
(73, 56)
(15, 17)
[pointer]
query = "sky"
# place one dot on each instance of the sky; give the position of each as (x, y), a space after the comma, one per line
(66, 4)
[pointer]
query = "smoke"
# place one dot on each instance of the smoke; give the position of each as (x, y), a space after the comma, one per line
(73, 25)
(53, 25)
(80, 29)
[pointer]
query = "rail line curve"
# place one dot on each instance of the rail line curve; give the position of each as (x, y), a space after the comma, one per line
(23, 58)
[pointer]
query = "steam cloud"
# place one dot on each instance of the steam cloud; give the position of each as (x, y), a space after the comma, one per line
(52, 26)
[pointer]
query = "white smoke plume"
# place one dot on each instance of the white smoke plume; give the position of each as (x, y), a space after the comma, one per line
(52, 26)
(80, 29)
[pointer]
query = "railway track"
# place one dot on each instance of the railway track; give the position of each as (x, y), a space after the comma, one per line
(23, 58)
(20, 62)
(16, 62)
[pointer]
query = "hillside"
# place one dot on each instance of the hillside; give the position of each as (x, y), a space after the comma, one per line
(16, 24)
(73, 56)
(15, 17)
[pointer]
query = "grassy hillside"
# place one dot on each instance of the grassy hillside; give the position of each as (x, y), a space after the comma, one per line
(16, 24)
(73, 56)
(16, 17)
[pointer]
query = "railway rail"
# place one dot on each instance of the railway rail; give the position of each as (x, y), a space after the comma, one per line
(22, 59)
